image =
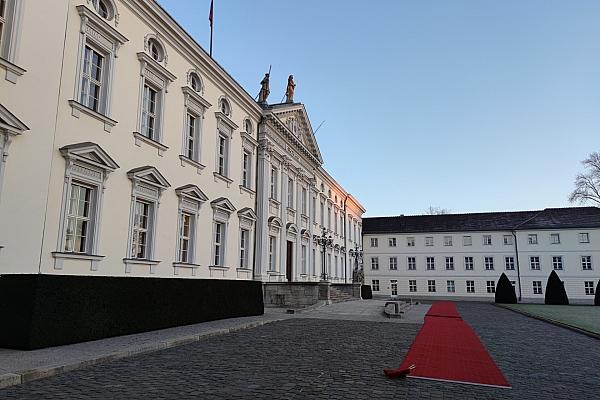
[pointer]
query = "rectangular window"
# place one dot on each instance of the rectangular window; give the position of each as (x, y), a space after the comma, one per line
(375, 284)
(412, 285)
(186, 242)
(534, 262)
(303, 258)
(329, 218)
(450, 286)
(290, 194)
(470, 286)
(141, 229)
(410, 242)
(392, 242)
(219, 243)
(150, 112)
(430, 262)
(314, 262)
(92, 79)
(467, 241)
(192, 150)
(431, 285)
(447, 240)
(273, 252)
(393, 263)
(584, 237)
(487, 240)
(412, 263)
(244, 247)
(246, 169)
(304, 201)
(273, 189)
(335, 222)
(509, 263)
(322, 214)
(589, 288)
(394, 285)
(428, 240)
(537, 287)
(374, 242)
(449, 263)
(469, 263)
(586, 263)
(223, 164)
(508, 240)
(79, 219)
(313, 212)
(557, 263)
(491, 286)
(489, 263)
(532, 238)
(554, 238)
(374, 263)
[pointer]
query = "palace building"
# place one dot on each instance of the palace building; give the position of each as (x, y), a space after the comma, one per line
(128, 151)
(461, 256)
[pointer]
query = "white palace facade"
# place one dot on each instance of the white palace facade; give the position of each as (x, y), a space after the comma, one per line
(128, 151)
(461, 256)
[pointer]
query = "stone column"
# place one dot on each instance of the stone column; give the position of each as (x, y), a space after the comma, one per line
(283, 216)
(263, 171)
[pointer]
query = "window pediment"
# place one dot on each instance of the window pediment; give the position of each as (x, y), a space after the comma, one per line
(247, 213)
(194, 99)
(226, 121)
(148, 175)
(223, 204)
(98, 29)
(275, 222)
(89, 153)
(192, 192)
(10, 123)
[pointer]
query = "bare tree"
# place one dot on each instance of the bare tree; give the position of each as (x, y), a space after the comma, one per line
(587, 184)
(437, 211)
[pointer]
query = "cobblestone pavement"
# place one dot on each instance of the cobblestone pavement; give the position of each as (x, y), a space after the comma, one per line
(336, 359)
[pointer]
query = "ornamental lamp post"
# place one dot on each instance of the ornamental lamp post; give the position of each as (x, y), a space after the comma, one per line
(357, 253)
(324, 241)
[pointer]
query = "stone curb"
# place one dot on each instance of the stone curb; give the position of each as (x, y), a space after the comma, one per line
(552, 321)
(17, 378)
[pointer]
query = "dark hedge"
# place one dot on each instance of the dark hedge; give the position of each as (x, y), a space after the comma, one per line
(50, 310)
(365, 292)
(505, 291)
(555, 291)
(597, 297)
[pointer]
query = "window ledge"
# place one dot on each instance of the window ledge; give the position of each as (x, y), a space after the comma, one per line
(77, 256)
(223, 178)
(190, 266)
(194, 163)
(139, 138)
(13, 71)
(247, 190)
(244, 269)
(218, 268)
(140, 261)
(78, 108)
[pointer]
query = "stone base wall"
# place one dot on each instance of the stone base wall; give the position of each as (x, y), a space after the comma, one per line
(291, 294)
(352, 289)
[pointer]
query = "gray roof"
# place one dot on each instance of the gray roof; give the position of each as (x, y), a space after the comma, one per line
(549, 218)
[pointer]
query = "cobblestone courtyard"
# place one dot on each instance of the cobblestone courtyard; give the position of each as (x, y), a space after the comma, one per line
(336, 359)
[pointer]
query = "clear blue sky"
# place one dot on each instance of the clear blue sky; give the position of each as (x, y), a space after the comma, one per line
(468, 105)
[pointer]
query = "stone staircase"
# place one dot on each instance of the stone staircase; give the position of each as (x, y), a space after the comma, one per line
(337, 296)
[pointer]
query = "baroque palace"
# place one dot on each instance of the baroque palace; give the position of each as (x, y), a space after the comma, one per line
(128, 151)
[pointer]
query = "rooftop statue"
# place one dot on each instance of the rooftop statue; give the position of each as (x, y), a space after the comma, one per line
(289, 92)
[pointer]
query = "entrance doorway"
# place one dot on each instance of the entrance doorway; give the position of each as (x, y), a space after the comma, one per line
(289, 260)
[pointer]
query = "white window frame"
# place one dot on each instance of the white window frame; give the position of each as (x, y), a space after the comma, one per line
(431, 286)
(394, 287)
(584, 237)
(469, 263)
(467, 240)
(375, 285)
(391, 242)
(589, 288)
(303, 258)
(272, 251)
(290, 192)
(247, 224)
(274, 178)
(470, 286)
(393, 263)
(555, 238)
(537, 287)
(450, 263)
(488, 263)
(508, 240)
(534, 263)
(557, 263)
(532, 238)
(222, 210)
(429, 241)
(410, 242)
(490, 286)
(304, 195)
(190, 200)
(374, 242)
(487, 240)
(430, 263)
(447, 241)
(412, 285)
(509, 263)
(586, 263)
(195, 106)
(411, 263)
(450, 286)
(375, 263)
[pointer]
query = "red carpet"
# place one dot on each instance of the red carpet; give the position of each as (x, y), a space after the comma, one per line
(446, 348)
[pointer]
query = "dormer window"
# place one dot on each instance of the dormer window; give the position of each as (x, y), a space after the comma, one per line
(225, 107)
(155, 50)
(195, 82)
(103, 8)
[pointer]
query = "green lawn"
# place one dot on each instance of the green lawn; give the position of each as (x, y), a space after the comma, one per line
(585, 317)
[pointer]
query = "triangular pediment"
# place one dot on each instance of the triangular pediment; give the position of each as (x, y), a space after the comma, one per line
(149, 175)
(248, 213)
(191, 191)
(90, 153)
(10, 122)
(294, 118)
(223, 204)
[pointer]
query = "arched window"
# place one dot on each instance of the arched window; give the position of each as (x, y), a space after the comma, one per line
(155, 49)
(104, 8)
(195, 82)
(225, 107)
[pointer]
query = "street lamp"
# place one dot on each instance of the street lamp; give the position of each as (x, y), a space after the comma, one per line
(357, 253)
(324, 241)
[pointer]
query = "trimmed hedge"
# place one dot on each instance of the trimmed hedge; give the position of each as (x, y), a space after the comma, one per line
(555, 291)
(366, 292)
(50, 310)
(597, 296)
(505, 291)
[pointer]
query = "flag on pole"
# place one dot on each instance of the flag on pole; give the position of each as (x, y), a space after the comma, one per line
(210, 18)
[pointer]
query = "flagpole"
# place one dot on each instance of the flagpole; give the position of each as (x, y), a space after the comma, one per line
(210, 18)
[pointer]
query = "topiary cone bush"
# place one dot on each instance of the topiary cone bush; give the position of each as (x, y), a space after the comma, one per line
(555, 291)
(505, 291)
(366, 292)
(597, 297)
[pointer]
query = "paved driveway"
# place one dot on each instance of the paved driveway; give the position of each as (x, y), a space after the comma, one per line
(337, 359)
